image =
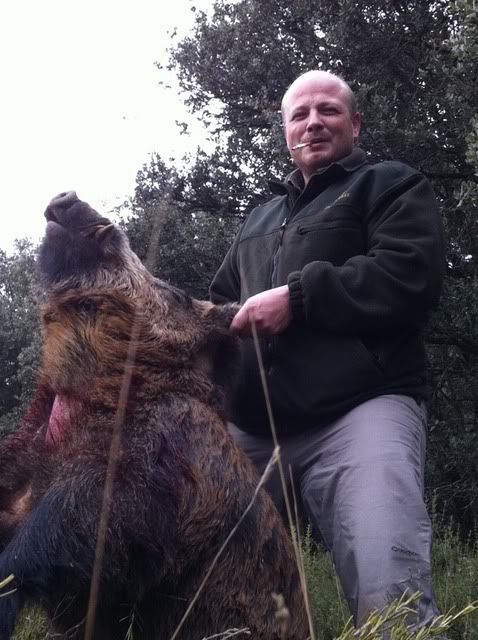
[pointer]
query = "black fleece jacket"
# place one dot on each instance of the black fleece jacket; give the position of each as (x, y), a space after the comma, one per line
(361, 249)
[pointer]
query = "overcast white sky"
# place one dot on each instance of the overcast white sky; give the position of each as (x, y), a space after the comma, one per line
(81, 104)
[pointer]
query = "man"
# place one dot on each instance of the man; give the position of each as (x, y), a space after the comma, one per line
(338, 273)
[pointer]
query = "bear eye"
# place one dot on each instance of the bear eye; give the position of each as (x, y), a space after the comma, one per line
(86, 305)
(49, 317)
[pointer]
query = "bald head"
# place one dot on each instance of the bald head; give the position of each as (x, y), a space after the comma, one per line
(321, 123)
(322, 77)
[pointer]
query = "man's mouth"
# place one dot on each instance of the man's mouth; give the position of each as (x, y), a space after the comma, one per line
(309, 143)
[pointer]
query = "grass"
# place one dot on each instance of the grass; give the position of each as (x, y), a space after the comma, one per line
(455, 578)
(32, 625)
(455, 575)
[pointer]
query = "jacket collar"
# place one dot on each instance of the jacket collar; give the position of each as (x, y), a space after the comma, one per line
(295, 181)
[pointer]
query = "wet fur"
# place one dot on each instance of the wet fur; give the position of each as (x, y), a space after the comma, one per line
(181, 483)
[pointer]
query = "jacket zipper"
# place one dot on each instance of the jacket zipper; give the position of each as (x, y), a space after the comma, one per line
(269, 342)
(282, 230)
(275, 258)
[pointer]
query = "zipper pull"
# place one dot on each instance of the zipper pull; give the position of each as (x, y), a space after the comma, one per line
(282, 230)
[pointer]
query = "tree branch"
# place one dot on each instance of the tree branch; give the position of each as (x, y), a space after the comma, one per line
(451, 176)
(468, 345)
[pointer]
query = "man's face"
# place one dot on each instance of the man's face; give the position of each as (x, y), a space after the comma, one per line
(318, 110)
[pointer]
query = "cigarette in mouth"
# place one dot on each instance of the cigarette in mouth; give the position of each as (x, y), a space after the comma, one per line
(300, 145)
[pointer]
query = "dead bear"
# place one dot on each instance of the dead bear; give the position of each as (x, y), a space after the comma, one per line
(180, 484)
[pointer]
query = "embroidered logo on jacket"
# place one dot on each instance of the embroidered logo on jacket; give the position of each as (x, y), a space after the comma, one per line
(343, 196)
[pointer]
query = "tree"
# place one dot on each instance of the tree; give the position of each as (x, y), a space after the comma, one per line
(238, 63)
(453, 339)
(413, 67)
(412, 64)
(169, 229)
(19, 333)
(181, 247)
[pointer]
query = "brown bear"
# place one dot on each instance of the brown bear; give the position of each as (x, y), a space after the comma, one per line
(122, 483)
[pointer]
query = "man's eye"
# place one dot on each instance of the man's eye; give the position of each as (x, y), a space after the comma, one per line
(298, 116)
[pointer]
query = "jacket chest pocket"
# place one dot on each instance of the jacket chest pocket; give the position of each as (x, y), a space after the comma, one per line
(321, 225)
(334, 240)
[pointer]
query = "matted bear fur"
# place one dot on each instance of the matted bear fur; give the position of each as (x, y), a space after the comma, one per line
(181, 484)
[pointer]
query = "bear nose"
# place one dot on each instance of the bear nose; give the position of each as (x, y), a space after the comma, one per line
(63, 200)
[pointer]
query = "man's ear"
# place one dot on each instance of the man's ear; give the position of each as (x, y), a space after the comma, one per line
(356, 125)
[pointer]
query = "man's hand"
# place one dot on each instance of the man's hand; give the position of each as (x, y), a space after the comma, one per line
(270, 312)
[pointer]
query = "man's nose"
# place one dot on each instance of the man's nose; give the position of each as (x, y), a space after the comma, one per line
(314, 121)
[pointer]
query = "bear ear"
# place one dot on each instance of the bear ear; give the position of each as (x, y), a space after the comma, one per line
(102, 232)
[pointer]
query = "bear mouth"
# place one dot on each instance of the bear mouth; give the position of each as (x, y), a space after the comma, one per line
(64, 412)
(66, 212)
(94, 230)
(57, 421)
(51, 217)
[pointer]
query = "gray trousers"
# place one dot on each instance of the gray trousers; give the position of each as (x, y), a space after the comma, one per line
(360, 481)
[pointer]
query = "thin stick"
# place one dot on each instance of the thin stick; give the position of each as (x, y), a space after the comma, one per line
(300, 558)
(275, 440)
(7, 580)
(303, 144)
(113, 460)
(113, 457)
(229, 633)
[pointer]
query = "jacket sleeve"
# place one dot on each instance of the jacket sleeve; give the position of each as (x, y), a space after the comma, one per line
(394, 284)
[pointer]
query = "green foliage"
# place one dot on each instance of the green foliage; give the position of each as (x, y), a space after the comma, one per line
(206, 183)
(19, 333)
(455, 577)
(392, 623)
(455, 570)
(453, 335)
(238, 62)
(32, 625)
(330, 612)
(182, 247)
(412, 65)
